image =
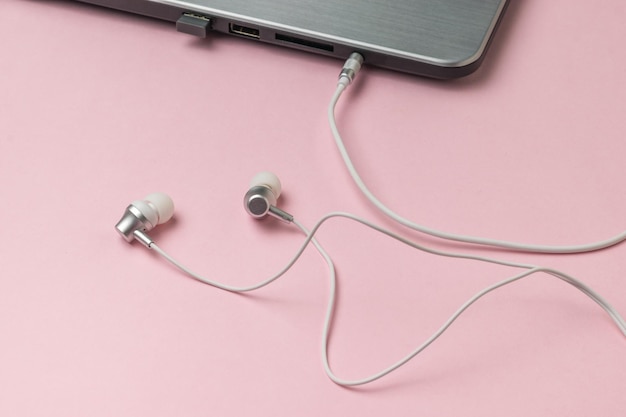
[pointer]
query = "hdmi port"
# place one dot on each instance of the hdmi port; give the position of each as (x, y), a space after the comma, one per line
(244, 31)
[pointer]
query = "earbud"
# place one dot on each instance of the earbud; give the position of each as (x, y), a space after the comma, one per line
(261, 198)
(144, 215)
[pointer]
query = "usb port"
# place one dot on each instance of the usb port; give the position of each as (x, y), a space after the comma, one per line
(244, 31)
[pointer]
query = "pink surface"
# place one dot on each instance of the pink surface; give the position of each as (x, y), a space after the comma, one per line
(99, 108)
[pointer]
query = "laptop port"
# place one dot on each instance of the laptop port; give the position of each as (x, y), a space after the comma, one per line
(304, 42)
(244, 31)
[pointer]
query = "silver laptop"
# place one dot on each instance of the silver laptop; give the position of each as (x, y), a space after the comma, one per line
(435, 38)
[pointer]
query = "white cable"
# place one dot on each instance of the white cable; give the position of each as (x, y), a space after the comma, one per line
(557, 249)
(530, 270)
(261, 284)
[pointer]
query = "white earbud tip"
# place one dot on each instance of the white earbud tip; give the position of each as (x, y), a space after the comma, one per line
(163, 204)
(267, 179)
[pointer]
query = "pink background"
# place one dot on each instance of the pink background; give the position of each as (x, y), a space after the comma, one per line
(99, 108)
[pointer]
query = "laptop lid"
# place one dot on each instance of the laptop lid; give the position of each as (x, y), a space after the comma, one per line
(435, 38)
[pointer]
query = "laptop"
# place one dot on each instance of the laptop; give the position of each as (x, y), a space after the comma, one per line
(433, 38)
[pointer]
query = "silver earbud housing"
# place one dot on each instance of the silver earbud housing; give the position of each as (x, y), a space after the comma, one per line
(260, 201)
(132, 220)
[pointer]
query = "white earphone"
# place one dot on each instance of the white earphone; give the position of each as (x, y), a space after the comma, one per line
(260, 201)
